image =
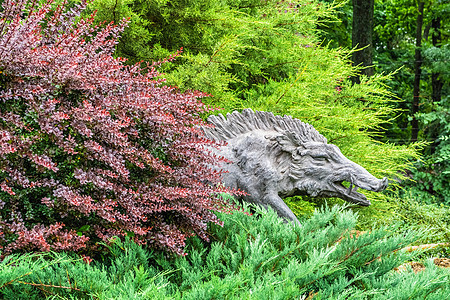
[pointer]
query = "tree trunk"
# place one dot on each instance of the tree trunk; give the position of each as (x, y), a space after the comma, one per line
(436, 82)
(362, 36)
(417, 74)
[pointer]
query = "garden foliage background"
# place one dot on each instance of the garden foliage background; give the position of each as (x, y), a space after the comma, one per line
(96, 146)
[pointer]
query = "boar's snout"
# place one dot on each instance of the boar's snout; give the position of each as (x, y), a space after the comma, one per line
(358, 177)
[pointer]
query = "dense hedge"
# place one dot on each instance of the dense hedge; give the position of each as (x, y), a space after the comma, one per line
(91, 148)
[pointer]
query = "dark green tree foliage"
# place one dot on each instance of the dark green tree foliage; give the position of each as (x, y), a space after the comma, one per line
(395, 30)
(337, 32)
(395, 49)
(437, 82)
(250, 258)
(394, 38)
(433, 174)
(266, 55)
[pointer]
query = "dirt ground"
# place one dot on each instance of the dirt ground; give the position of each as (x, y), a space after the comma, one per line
(417, 267)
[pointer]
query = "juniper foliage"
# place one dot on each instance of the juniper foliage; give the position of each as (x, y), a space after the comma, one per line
(250, 257)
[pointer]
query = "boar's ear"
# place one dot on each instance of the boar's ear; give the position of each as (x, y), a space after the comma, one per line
(288, 141)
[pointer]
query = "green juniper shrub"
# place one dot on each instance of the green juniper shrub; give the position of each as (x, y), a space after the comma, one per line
(413, 211)
(250, 257)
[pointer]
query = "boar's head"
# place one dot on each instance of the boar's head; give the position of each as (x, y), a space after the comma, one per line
(319, 169)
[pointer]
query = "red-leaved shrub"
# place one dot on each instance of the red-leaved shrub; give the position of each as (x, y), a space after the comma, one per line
(91, 148)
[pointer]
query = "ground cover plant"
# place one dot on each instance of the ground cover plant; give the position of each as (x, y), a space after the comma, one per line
(91, 148)
(251, 257)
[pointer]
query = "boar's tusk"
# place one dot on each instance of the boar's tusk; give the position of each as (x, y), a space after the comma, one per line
(350, 188)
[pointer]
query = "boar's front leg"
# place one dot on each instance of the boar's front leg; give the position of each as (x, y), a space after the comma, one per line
(262, 193)
(280, 207)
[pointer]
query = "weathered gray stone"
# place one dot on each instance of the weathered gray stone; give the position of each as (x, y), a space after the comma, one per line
(273, 157)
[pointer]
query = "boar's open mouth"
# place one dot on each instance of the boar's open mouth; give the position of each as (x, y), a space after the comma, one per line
(350, 193)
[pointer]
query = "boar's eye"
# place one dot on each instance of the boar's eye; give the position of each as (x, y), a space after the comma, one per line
(320, 158)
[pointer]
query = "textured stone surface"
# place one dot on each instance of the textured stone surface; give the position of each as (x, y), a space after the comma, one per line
(273, 157)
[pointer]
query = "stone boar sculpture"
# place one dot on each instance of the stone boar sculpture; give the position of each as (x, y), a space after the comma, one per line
(273, 157)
